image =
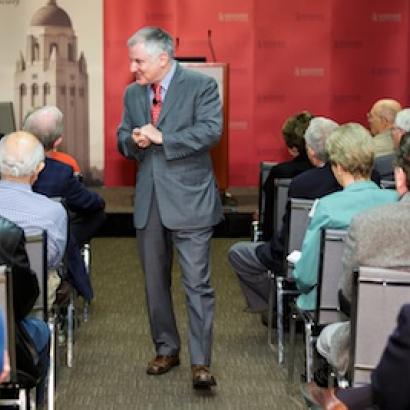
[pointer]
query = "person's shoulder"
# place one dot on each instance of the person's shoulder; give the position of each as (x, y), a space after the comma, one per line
(133, 88)
(307, 178)
(382, 215)
(55, 169)
(56, 163)
(7, 227)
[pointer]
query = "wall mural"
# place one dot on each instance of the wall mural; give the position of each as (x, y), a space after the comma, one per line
(50, 68)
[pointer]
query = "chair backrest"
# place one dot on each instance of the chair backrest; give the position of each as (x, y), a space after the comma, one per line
(264, 169)
(298, 222)
(330, 270)
(388, 184)
(6, 305)
(379, 295)
(36, 247)
(280, 200)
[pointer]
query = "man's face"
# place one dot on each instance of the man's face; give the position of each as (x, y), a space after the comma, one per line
(148, 69)
(376, 122)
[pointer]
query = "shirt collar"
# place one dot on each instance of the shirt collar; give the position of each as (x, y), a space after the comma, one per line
(15, 185)
(168, 77)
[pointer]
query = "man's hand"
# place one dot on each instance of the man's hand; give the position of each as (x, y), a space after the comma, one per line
(141, 140)
(6, 367)
(152, 133)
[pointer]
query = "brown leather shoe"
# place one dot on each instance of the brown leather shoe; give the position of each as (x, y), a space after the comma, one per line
(162, 364)
(325, 398)
(202, 377)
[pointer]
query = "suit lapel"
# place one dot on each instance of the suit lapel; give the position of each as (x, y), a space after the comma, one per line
(172, 93)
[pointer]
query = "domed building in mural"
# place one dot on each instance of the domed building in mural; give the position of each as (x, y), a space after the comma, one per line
(50, 72)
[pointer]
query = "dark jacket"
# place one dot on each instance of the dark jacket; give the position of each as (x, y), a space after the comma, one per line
(390, 379)
(287, 169)
(13, 253)
(58, 180)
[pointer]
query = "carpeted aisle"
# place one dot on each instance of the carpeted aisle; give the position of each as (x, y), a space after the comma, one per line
(114, 346)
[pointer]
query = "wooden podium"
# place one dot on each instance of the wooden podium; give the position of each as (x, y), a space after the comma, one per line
(218, 71)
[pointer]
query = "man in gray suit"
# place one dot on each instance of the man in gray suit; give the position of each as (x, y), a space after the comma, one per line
(171, 118)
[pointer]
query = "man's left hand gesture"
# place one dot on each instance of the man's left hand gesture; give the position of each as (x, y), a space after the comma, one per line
(152, 133)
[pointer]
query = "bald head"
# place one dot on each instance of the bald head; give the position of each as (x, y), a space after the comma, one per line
(381, 116)
(21, 156)
(46, 123)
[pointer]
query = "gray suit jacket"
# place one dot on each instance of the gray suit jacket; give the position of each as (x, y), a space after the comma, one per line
(379, 237)
(180, 170)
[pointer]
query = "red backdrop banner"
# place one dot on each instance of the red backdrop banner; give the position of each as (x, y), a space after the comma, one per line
(333, 58)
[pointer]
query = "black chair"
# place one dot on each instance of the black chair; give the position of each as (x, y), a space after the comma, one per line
(284, 286)
(327, 302)
(36, 247)
(264, 169)
(17, 390)
(379, 294)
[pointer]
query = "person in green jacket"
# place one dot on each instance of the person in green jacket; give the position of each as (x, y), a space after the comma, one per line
(351, 154)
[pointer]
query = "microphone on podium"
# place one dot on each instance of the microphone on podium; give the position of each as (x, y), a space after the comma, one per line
(211, 47)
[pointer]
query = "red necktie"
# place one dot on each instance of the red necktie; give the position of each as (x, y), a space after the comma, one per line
(156, 103)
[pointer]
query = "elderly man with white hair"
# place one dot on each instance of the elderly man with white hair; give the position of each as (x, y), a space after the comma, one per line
(384, 163)
(21, 160)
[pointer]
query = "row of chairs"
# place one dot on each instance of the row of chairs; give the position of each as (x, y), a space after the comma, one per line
(60, 320)
(332, 247)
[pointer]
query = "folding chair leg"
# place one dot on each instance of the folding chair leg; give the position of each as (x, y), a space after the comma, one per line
(279, 319)
(309, 342)
(86, 312)
(270, 309)
(70, 332)
(24, 397)
(292, 342)
(52, 366)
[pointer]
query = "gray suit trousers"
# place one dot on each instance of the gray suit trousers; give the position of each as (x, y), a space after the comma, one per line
(155, 243)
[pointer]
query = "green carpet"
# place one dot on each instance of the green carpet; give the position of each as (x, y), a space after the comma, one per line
(112, 349)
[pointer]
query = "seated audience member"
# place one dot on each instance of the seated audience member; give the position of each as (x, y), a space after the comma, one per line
(52, 144)
(384, 163)
(86, 208)
(389, 381)
(351, 155)
(380, 238)
(381, 119)
(293, 133)
(251, 260)
(57, 180)
(25, 292)
(21, 160)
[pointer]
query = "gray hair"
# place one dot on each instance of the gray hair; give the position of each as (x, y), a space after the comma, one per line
(351, 146)
(20, 154)
(318, 131)
(46, 123)
(155, 40)
(402, 119)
